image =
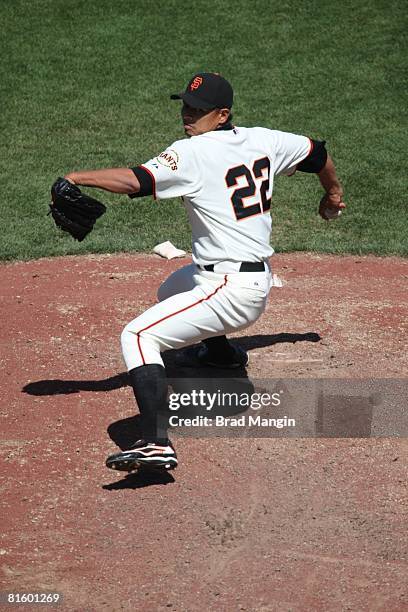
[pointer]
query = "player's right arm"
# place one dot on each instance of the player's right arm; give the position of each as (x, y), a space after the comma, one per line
(173, 173)
(333, 198)
(116, 180)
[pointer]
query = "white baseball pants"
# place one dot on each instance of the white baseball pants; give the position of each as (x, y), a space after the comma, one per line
(194, 305)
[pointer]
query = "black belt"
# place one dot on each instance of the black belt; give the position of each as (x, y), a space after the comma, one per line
(246, 266)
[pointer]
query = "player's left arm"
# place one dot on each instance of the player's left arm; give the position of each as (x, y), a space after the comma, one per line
(116, 180)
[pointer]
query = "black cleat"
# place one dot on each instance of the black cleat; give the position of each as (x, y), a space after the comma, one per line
(144, 455)
(199, 356)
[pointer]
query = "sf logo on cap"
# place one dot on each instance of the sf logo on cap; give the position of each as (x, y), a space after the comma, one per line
(196, 83)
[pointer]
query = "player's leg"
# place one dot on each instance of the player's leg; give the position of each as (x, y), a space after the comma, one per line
(150, 390)
(181, 320)
(216, 350)
(175, 321)
(149, 386)
(211, 308)
(178, 321)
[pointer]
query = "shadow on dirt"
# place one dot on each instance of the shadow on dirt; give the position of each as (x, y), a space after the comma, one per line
(66, 387)
(141, 479)
(126, 431)
(259, 341)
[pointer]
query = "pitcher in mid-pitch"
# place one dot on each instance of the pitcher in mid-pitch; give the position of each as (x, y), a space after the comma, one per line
(224, 175)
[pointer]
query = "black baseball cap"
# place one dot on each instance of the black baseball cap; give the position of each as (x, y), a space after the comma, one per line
(207, 90)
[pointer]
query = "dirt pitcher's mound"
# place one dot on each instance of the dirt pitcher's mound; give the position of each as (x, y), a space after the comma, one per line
(268, 524)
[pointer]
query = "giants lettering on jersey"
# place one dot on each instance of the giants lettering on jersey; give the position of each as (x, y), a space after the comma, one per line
(169, 158)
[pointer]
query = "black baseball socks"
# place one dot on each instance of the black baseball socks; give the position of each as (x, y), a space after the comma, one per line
(150, 388)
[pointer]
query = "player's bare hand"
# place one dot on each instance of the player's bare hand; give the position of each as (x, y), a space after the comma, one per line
(331, 206)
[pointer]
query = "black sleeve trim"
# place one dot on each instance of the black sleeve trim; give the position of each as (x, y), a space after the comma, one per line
(146, 182)
(316, 160)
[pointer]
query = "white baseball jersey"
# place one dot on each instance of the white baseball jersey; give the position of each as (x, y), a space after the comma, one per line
(225, 178)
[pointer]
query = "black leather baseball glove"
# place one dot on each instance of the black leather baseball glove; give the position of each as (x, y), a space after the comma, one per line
(74, 211)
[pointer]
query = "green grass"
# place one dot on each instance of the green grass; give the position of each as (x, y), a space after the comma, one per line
(86, 85)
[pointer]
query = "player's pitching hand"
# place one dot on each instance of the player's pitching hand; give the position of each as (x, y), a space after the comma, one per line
(331, 206)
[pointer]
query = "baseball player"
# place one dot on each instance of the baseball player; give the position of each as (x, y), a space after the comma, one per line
(224, 175)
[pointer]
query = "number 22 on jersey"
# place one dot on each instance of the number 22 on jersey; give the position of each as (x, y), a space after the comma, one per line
(260, 170)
